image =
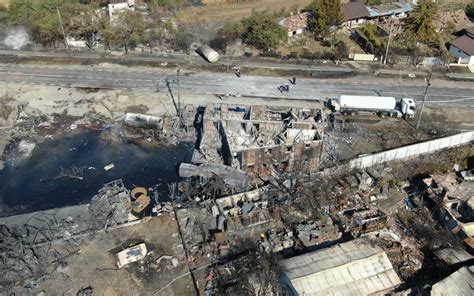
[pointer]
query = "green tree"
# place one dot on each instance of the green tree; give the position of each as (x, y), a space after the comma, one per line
(470, 10)
(262, 30)
(81, 21)
(313, 6)
(3, 14)
(369, 33)
(442, 50)
(326, 15)
(420, 22)
(127, 31)
(374, 2)
(165, 4)
(39, 17)
(225, 35)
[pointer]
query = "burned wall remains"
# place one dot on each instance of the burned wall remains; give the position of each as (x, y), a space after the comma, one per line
(262, 139)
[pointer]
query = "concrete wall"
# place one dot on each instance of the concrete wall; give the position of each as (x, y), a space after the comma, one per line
(412, 150)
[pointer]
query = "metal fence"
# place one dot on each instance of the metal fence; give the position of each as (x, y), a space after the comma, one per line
(411, 150)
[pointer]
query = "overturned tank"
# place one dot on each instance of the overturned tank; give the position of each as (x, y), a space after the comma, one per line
(143, 120)
(208, 53)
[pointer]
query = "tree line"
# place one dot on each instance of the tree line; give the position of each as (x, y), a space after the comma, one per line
(50, 21)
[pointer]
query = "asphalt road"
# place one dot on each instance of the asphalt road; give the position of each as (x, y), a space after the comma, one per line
(151, 79)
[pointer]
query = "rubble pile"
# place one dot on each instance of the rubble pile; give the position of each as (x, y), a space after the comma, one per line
(313, 233)
(27, 252)
(452, 198)
(111, 206)
(17, 262)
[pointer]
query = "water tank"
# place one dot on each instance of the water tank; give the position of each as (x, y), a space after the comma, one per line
(367, 102)
(208, 53)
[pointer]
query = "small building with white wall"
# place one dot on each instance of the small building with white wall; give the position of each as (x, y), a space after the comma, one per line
(462, 48)
(115, 7)
(295, 24)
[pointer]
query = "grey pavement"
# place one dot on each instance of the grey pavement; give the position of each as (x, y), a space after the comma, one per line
(149, 79)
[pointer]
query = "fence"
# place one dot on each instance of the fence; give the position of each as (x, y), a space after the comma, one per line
(411, 150)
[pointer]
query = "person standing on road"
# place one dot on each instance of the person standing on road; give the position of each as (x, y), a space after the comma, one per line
(287, 87)
(294, 80)
(237, 71)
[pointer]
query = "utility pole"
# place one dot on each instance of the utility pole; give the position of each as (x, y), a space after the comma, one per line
(178, 74)
(61, 25)
(428, 84)
(389, 39)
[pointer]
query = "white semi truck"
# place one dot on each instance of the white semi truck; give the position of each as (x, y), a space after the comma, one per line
(382, 106)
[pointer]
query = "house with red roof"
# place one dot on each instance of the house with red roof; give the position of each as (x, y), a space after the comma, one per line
(295, 24)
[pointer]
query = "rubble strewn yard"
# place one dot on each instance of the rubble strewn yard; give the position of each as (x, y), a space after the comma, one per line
(236, 147)
(263, 192)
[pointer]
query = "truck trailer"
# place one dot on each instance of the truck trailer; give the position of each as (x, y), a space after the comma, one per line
(382, 106)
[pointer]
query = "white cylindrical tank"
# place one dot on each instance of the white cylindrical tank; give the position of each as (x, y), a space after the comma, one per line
(367, 102)
(207, 52)
(143, 120)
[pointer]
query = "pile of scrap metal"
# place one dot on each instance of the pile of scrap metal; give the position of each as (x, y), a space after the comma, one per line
(303, 235)
(367, 221)
(313, 233)
(28, 251)
(233, 177)
(163, 127)
(209, 288)
(195, 225)
(139, 200)
(403, 251)
(277, 240)
(111, 206)
(160, 262)
(453, 204)
(242, 210)
(161, 208)
(361, 189)
(220, 246)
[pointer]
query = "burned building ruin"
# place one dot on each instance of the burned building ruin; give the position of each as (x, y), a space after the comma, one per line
(259, 140)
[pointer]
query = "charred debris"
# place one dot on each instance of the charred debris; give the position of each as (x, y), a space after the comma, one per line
(251, 199)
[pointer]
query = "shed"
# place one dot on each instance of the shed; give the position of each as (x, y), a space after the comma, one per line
(355, 14)
(458, 283)
(295, 24)
(351, 268)
(354, 10)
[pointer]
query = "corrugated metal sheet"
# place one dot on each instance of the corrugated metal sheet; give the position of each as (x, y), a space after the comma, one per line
(353, 268)
(459, 283)
(453, 256)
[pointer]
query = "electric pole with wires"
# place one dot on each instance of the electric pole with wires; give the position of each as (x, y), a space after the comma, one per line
(428, 84)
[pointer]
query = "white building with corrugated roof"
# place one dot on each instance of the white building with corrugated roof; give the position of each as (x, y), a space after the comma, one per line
(458, 283)
(351, 268)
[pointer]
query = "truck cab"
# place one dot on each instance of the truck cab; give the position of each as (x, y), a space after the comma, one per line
(408, 107)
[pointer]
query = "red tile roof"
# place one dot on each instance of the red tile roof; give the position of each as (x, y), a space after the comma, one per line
(296, 22)
(464, 43)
